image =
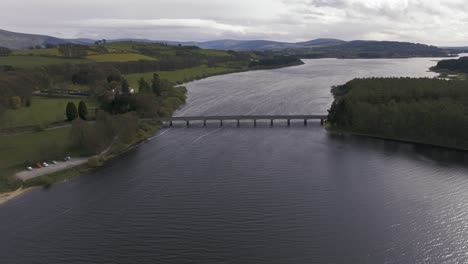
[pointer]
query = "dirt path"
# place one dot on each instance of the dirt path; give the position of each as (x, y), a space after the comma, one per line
(26, 175)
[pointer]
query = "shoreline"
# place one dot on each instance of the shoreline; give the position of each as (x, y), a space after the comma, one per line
(398, 140)
(6, 197)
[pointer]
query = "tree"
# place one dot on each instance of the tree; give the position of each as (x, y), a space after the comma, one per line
(15, 102)
(82, 110)
(71, 111)
(125, 87)
(5, 51)
(144, 86)
(156, 84)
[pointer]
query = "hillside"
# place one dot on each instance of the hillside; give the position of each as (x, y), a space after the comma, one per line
(369, 49)
(317, 48)
(18, 41)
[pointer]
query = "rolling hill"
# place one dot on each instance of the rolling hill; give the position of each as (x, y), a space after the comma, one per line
(322, 47)
(17, 41)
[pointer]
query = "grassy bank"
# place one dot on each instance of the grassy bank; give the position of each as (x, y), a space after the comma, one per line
(148, 128)
(17, 151)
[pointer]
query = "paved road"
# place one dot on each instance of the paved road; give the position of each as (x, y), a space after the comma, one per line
(26, 175)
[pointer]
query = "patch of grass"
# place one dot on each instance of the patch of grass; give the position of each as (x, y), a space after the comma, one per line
(42, 112)
(35, 61)
(121, 46)
(16, 151)
(178, 76)
(118, 57)
(37, 52)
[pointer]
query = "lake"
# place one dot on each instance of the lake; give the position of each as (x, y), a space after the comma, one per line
(255, 195)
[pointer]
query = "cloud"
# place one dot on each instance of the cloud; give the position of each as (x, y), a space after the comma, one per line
(440, 22)
(174, 23)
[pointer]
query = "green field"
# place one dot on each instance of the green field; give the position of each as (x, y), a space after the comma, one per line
(122, 46)
(178, 76)
(18, 151)
(42, 112)
(37, 52)
(118, 57)
(35, 61)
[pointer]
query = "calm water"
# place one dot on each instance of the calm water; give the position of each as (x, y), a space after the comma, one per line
(255, 195)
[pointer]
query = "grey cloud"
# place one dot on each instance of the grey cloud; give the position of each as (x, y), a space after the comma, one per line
(429, 21)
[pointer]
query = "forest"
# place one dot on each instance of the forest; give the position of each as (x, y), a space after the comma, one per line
(456, 65)
(430, 111)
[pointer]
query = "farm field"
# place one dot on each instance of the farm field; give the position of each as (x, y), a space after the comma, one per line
(118, 57)
(37, 52)
(35, 61)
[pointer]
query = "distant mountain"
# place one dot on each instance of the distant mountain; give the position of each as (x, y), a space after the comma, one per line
(322, 47)
(261, 45)
(321, 42)
(13, 40)
(369, 49)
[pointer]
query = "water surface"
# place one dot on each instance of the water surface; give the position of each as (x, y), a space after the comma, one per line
(255, 195)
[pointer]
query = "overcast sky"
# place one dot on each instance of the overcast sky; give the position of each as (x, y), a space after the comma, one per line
(439, 22)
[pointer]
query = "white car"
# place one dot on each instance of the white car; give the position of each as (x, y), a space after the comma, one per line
(29, 168)
(53, 162)
(44, 164)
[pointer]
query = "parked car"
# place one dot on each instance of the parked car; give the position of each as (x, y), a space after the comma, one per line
(53, 162)
(44, 164)
(29, 168)
(38, 165)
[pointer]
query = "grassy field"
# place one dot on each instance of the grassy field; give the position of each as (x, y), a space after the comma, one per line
(37, 52)
(122, 46)
(178, 76)
(17, 151)
(118, 57)
(42, 112)
(35, 61)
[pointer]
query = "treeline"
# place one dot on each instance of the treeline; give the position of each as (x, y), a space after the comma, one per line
(460, 65)
(369, 49)
(275, 61)
(431, 111)
(21, 84)
(70, 50)
(4, 51)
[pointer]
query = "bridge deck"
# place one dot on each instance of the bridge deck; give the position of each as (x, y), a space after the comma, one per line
(244, 117)
(238, 118)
